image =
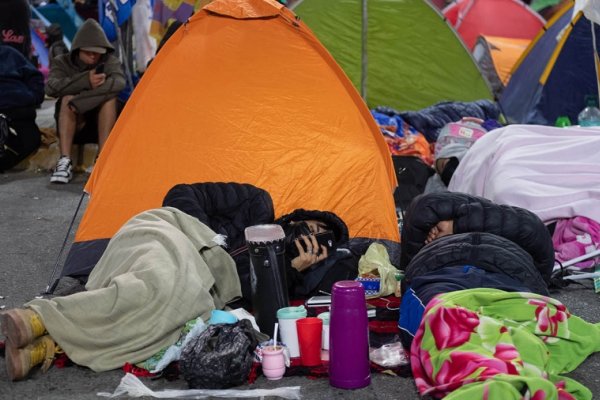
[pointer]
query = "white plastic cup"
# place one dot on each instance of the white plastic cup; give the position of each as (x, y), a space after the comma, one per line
(325, 336)
(287, 318)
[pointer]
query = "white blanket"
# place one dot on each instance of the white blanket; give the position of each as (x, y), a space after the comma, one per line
(553, 172)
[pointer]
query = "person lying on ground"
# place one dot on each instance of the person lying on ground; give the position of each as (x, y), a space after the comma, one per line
(441, 213)
(230, 207)
(453, 142)
(453, 241)
(312, 268)
(475, 314)
(162, 269)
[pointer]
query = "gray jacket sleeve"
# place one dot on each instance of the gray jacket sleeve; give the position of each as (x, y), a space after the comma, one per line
(78, 85)
(63, 81)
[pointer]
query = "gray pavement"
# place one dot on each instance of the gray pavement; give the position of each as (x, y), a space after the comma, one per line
(34, 217)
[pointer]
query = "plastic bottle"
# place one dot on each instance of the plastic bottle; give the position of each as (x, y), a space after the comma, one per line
(398, 290)
(349, 366)
(562, 122)
(590, 115)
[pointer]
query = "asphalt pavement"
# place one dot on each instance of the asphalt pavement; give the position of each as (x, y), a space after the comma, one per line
(34, 220)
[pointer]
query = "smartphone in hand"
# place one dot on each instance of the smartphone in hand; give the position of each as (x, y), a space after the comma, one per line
(325, 238)
(99, 68)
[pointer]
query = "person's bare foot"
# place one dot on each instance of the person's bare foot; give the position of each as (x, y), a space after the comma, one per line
(443, 228)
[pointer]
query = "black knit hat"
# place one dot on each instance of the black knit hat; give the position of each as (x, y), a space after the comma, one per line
(335, 223)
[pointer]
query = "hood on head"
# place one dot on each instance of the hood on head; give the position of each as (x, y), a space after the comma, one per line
(90, 34)
(457, 150)
(335, 223)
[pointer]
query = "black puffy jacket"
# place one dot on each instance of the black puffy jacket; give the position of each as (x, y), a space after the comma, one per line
(227, 208)
(486, 251)
(476, 214)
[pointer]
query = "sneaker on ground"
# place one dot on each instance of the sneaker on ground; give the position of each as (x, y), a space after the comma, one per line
(63, 171)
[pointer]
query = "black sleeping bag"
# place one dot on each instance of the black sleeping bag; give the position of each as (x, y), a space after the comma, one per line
(459, 262)
(485, 251)
(476, 214)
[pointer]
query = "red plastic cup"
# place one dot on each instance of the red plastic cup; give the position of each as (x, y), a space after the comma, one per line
(309, 340)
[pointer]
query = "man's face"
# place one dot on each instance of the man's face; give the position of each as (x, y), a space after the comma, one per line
(89, 57)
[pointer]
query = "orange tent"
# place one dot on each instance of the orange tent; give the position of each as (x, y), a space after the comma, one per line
(243, 92)
(496, 57)
(505, 52)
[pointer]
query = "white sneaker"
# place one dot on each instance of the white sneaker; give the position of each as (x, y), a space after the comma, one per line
(63, 171)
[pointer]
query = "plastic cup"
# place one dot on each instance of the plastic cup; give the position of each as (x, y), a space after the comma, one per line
(309, 340)
(273, 362)
(325, 337)
(287, 318)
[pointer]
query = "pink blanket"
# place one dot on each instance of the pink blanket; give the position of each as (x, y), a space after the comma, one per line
(553, 172)
(575, 237)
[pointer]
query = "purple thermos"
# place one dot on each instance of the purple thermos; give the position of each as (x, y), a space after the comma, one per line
(349, 366)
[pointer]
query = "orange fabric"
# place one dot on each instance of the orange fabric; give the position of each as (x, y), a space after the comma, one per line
(251, 100)
(242, 9)
(504, 18)
(411, 145)
(505, 53)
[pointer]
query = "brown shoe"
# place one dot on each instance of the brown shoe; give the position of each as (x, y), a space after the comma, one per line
(21, 326)
(20, 361)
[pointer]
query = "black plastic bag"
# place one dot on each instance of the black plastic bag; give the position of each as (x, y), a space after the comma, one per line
(220, 357)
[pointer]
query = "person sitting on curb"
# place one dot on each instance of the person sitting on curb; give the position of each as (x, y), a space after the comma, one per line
(86, 82)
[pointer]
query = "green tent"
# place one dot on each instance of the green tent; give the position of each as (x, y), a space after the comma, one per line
(412, 57)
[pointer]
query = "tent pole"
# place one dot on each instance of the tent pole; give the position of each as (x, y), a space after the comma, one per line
(53, 281)
(596, 59)
(364, 60)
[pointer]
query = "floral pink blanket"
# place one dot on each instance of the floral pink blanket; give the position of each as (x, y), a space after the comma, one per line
(575, 237)
(491, 344)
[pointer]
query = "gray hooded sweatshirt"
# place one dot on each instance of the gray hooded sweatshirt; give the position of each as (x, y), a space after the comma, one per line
(70, 76)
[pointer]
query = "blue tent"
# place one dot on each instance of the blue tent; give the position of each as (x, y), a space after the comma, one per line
(55, 13)
(555, 73)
